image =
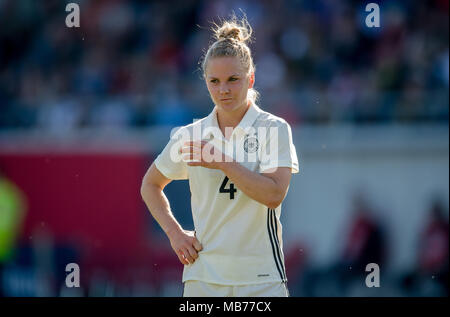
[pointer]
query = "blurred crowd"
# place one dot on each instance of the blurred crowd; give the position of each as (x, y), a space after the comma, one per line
(367, 241)
(135, 63)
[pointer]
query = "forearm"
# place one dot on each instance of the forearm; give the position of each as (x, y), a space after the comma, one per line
(258, 187)
(159, 207)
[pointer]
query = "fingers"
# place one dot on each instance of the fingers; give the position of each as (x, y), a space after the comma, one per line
(189, 146)
(192, 146)
(190, 153)
(194, 163)
(197, 245)
(198, 152)
(190, 254)
(189, 149)
(191, 156)
(187, 255)
(195, 143)
(187, 247)
(192, 250)
(182, 258)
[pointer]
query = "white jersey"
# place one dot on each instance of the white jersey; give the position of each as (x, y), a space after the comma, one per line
(241, 238)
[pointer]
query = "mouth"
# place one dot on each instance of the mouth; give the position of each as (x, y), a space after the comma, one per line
(226, 99)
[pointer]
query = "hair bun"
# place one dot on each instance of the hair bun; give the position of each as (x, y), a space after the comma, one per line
(239, 31)
(230, 33)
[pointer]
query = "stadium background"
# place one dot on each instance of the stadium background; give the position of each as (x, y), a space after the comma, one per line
(84, 111)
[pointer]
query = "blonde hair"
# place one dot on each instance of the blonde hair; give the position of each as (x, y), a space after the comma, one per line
(231, 40)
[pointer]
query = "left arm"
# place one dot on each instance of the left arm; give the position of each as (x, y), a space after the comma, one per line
(267, 188)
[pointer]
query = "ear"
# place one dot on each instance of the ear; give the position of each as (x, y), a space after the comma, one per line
(251, 80)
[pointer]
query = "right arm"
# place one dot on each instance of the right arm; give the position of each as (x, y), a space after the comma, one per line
(183, 242)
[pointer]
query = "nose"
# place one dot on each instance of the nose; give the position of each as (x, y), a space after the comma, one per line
(224, 89)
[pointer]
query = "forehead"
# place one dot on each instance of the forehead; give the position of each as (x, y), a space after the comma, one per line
(224, 66)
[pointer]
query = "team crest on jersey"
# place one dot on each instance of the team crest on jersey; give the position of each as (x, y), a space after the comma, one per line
(251, 144)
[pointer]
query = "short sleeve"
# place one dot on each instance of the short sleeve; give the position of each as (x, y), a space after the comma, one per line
(279, 149)
(169, 162)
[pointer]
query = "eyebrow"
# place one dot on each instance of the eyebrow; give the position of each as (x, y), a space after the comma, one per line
(235, 75)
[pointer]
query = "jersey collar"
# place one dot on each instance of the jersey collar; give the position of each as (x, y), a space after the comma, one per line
(242, 128)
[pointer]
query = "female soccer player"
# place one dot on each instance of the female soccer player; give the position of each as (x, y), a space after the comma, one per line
(239, 172)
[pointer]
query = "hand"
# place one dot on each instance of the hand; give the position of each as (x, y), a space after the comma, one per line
(185, 245)
(204, 154)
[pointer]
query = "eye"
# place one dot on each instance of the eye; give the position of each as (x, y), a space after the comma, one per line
(214, 81)
(233, 79)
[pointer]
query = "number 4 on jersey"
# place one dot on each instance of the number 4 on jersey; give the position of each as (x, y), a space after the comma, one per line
(232, 190)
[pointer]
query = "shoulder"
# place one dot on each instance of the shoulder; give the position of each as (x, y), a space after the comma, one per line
(269, 120)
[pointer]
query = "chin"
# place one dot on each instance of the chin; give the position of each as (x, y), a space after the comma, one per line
(229, 106)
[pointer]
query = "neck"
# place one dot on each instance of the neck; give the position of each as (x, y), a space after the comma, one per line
(231, 119)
